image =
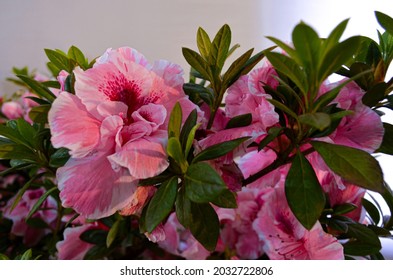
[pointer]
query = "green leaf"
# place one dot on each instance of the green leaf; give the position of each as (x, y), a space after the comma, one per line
(283, 108)
(317, 120)
(344, 208)
(290, 68)
(204, 43)
(204, 225)
(50, 84)
(39, 202)
(174, 150)
(94, 236)
(175, 120)
(188, 126)
(37, 223)
(3, 257)
(96, 252)
(338, 56)
(10, 150)
(183, 208)
(20, 193)
(307, 44)
(367, 242)
(387, 142)
(197, 62)
(77, 55)
(239, 121)
(196, 92)
(59, 158)
(335, 35)
(226, 199)
(202, 183)
(28, 255)
(27, 131)
(219, 150)
(39, 114)
(385, 21)
(60, 60)
(271, 135)
(371, 210)
(37, 88)
(112, 233)
(303, 191)
(288, 49)
(236, 68)
(161, 204)
(220, 48)
(190, 139)
(355, 166)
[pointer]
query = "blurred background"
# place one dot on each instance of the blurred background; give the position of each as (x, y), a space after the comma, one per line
(159, 28)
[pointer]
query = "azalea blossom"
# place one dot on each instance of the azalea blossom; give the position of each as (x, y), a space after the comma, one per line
(72, 247)
(177, 240)
(114, 124)
(31, 235)
(237, 232)
(285, 238)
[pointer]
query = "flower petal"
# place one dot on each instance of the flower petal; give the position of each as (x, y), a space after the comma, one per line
(72, 126)
(92, 188)
(141, 153)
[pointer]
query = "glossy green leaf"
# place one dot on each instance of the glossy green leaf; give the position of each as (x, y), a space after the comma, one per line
(175, 151)
(183, 208)
(94, 236)
(59, 158)
(355, 166)
(27, 132)
(77, 55)
(39, 114)
(112, 234)
(335, 35)
(202, 183)
(196, 92)
(344, 208)
(21, 191)
(204, 225)
(304, 192)
(387, 142)
(236, 68)
(285, 47)
(197, 62)
(161, 204)
(37, 88)
(203, 43)
(96, 252)
(218, 150)
(317, 120)
(290, 68)
(189, 124)
(367, 242)
(59, 59)
(271, 135)
(338, 56)
(37, 223)
(10, 150)
(175, 120)
(239, 121)
(27, 255)
(190, 139)
(307, 44)
(283, 108)
(40, 201)
(220, 48)
(385, 21)
(371, 210)
(226, 199)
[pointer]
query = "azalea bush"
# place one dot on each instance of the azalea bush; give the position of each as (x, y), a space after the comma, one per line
(265, 157)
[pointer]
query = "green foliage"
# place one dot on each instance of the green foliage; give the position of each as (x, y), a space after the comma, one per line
(302, 185)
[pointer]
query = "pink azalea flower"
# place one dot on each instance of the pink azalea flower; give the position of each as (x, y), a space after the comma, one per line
(115, 128)
(12, 110)
(72, 247)
(237, 233)
(179, 241)
(285, 238)
(363, 129)
(31, 235)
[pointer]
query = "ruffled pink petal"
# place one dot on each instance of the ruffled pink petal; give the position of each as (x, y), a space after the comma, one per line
(110, 108)
(92, 188)
(12, 110)
(260, 77)
(72, 247)
(152, 114)
(170, 72)
(364, 130)
(142, 157)
(72, 126)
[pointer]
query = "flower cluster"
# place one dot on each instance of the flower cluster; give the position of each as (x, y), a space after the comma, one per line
(122, 158)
